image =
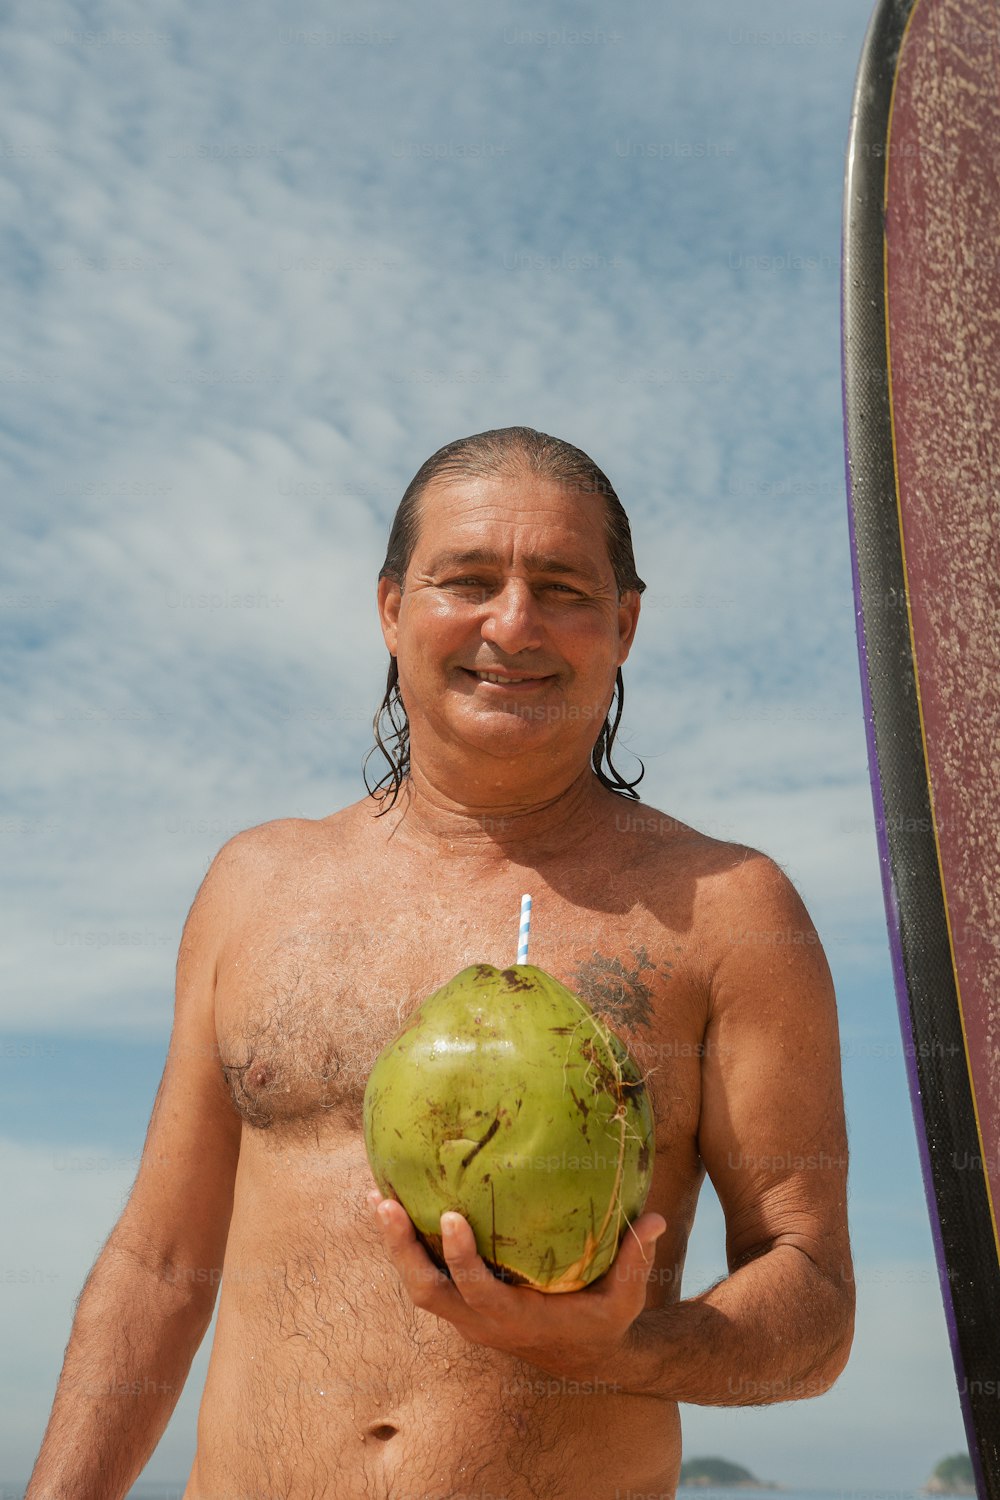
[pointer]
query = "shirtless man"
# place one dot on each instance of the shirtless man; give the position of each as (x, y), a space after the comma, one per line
(345, 1365)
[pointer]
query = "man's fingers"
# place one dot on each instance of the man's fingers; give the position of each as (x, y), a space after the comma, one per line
(459, 1244)
(470, 1273)
(424, 1282)
(627, 1278)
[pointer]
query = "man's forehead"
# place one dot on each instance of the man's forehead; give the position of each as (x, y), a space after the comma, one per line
(474, 519)
(571, 559)
(543, 527)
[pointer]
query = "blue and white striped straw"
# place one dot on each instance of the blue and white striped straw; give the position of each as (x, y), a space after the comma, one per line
(522, 936)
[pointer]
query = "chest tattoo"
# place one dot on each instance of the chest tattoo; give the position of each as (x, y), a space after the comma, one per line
(623, 992)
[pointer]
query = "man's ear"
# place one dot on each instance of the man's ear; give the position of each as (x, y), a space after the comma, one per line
(628, 619)
(390, 597)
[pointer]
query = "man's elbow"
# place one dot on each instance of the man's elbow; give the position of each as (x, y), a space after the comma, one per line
(840, 1338)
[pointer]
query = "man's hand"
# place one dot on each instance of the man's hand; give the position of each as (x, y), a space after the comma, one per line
(576, 1335)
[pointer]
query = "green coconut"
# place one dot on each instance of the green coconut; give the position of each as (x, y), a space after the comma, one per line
(506, 1099)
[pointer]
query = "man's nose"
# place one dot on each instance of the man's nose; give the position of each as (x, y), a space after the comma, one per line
(512, 620)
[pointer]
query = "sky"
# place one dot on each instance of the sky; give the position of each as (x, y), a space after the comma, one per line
(260, 263)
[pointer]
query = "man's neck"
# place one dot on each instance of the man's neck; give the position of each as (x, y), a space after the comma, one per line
(498, 827)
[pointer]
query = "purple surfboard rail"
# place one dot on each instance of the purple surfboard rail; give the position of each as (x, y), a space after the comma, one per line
(921, 310)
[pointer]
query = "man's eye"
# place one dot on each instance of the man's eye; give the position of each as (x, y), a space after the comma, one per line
(484, 586)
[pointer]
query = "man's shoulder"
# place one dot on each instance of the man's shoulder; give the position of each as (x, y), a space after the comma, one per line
(725, 869)
(665, 835)
(278, 840)
(739, 905)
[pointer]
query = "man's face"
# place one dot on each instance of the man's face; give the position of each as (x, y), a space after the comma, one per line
(510, 578)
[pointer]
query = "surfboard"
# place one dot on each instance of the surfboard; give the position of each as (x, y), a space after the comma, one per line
(921, 359)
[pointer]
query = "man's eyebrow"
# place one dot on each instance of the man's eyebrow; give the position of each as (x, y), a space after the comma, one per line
(536, 562)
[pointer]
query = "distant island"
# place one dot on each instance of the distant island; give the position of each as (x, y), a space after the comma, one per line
(700, 1473)
(953, 1476)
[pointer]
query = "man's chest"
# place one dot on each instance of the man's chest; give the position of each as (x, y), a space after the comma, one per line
(317, 982)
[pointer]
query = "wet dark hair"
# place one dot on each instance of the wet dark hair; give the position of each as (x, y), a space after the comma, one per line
(502, 450)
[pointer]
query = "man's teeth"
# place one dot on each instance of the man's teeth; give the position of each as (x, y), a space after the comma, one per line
(493, 677)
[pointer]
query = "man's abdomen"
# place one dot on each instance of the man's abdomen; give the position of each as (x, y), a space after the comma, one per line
(325, 1382)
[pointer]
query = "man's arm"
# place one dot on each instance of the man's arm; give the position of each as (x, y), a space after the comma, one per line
(148, 1299)
(774, 1143)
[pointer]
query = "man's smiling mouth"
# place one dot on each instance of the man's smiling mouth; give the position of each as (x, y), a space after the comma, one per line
(502, 679)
